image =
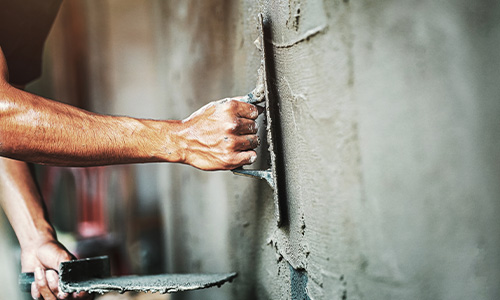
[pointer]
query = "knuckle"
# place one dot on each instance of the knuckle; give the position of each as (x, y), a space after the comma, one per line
(234, 103)
(227, 152)
(237, 123)
(252, 141)
(41, 284)
(256, 140)
(227, 161)
(254, 113)
(229, 148)
(229, 143)
(230, 126)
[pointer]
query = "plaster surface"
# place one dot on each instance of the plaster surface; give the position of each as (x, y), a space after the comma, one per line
(389, 140)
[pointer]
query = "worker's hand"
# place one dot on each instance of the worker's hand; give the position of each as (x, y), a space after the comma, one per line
(222, 135)
(43, 259)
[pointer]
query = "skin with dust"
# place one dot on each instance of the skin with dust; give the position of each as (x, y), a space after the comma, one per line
(207, 142)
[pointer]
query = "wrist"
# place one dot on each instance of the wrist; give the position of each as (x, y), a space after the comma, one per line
(43, 233)
(168, 144)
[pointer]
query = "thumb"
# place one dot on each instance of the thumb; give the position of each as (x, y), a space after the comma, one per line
(4, 70)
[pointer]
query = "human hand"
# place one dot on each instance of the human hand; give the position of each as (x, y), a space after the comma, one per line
(43, 259)
(221, 135)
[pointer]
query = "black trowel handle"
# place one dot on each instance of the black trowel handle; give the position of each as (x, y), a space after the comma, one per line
(25, 281)
(73, 270)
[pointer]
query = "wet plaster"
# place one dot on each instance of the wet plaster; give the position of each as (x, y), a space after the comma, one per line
(348, 80)
(92, 275)
(388, 149)
(164, 283)
(319, 142)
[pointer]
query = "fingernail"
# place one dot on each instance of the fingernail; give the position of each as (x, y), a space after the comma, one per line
(253, 158)
(52, 277)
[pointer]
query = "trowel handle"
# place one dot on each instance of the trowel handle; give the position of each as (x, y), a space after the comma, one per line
(251, 98)
(25, 281)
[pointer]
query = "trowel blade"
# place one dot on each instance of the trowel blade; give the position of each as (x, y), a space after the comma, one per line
(258, 174)
(92, 275)
(272, 119)
(162, 283)
(84, 276)
(261, 93)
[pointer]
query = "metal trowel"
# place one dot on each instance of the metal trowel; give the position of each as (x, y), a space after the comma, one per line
(92, 275)
(261, 94)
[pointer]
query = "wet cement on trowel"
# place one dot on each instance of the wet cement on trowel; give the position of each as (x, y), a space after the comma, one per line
(164, 283)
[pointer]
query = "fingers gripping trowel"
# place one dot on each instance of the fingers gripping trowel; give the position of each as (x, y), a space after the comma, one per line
(258, 95)
(92, 275)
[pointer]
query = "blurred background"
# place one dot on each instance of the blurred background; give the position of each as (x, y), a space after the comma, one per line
(391, 141)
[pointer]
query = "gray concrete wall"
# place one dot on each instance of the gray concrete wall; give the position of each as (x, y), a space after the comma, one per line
(391, 139)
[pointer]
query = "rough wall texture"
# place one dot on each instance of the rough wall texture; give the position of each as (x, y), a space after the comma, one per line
(390, 132)
(391, 139)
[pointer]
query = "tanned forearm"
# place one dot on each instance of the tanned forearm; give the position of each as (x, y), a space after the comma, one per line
(42, 131)
(41, 253)
(219, 136)
(23, 205)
